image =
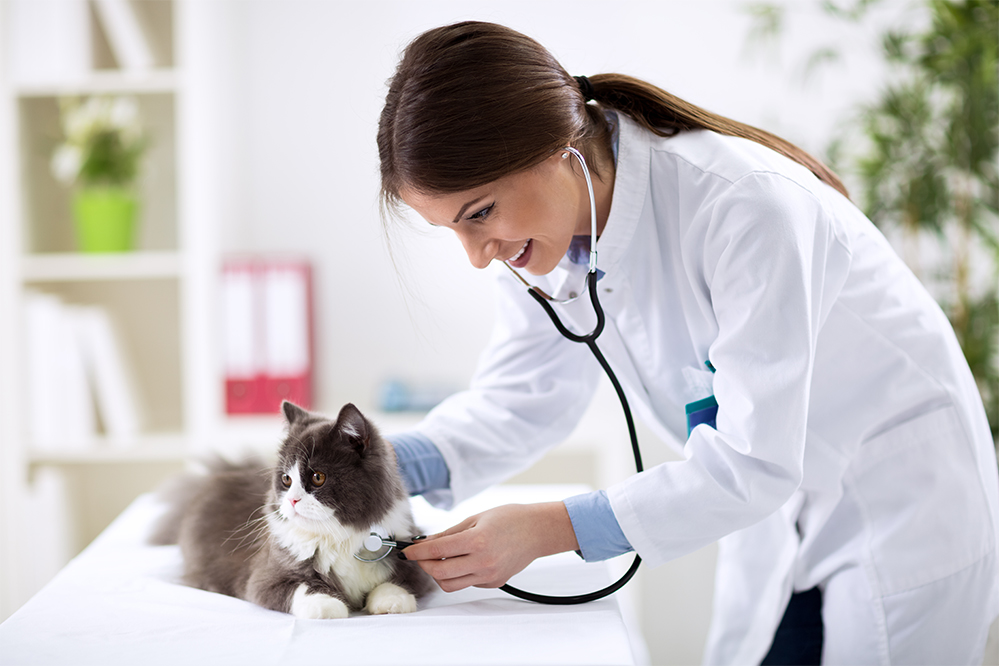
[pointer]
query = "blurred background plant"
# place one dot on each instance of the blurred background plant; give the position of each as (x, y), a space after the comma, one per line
(100, 156)
(921, 157)
(103, 142)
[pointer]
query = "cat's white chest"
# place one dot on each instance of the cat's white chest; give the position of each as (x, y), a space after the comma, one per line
(357, 578)
(332, 552)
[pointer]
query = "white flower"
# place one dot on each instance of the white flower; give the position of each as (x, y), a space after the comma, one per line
(66, 163)
(79, 122)
(124, 113)
(84, 123)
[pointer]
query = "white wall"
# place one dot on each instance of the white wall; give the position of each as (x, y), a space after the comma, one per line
(301, 86)
(307, 80)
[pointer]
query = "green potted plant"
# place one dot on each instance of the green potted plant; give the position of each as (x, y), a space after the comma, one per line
(925, 154)
(921, 157)
(100, 158)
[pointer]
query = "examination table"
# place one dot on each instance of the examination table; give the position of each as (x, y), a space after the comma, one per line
(120, 602)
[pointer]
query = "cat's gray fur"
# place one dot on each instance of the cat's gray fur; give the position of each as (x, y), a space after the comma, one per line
(241, 535)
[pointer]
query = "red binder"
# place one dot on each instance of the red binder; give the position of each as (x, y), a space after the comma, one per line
(267, 334)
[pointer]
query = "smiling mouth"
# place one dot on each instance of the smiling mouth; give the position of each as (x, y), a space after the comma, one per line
(522, 256)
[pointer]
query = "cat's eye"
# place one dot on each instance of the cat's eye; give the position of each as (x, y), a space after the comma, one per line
(286, 480)
(319, 478)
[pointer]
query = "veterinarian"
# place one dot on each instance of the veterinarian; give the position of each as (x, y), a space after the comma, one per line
(842, 456)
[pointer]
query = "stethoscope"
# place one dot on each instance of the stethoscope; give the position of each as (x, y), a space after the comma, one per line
(376, 541)
(589, 339)
(373, 544)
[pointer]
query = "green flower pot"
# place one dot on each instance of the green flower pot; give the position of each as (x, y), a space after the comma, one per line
(105, 218)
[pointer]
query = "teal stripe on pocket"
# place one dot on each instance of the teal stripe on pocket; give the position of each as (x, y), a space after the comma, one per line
(699, 405)
(701, 411)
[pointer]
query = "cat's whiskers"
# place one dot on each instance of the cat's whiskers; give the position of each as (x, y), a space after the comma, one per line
(262, 530)
(294, 521)
(249, 522)
(253, 529)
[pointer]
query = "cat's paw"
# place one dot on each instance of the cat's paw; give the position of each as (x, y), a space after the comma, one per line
(389, 598)
(317, 606)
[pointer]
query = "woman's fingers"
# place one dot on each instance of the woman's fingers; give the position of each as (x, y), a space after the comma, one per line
(487, 549)
(448, 544)
(450, 569)
(452, 558)
(457, 573)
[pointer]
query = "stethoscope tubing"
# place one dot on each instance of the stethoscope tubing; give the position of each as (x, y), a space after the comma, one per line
(591, 341)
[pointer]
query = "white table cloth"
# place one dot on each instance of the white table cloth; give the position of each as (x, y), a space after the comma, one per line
(121, 602)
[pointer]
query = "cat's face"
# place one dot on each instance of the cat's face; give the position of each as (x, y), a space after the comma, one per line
(333, 475)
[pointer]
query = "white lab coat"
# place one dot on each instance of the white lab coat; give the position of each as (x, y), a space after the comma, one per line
(851, 444)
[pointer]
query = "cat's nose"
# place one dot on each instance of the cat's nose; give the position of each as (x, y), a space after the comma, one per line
(293, 501)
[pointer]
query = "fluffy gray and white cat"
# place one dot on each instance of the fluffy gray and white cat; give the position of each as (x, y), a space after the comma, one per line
(284, 536)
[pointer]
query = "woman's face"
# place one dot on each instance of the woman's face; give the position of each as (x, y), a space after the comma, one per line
(527, 219)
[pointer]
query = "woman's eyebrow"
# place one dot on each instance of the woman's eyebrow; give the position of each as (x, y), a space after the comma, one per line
(461, 211)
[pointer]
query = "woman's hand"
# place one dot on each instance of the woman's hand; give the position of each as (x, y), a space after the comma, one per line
(487, 549)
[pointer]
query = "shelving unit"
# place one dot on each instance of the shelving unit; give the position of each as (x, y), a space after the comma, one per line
(159, 297)
(162, 297)
(105, 83)
(75, 267)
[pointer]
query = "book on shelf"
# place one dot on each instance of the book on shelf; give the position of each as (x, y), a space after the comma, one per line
(77, 376)
(266, 334)
(125, 35)
(53, 531)
(60, 404)
(109, 374)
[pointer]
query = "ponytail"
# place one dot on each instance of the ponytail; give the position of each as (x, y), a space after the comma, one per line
(473, 102)
(666, 115)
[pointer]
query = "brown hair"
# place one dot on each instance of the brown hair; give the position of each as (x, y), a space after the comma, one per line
(473, 102)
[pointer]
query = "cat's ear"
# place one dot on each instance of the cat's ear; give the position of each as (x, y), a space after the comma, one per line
(351, 422)
(293, 412)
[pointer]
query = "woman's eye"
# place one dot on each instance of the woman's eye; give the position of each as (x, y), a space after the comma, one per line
(482, 214)
(319, 478)
(286, 480)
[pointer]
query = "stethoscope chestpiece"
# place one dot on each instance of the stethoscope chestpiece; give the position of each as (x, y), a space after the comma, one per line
(376, 541)
(372, 545)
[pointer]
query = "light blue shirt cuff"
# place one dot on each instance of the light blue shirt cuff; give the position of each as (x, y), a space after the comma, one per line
(597, 530)
(420, 463)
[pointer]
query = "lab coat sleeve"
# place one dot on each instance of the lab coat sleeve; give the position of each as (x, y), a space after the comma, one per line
(530, 389)
(419, 463)
(597, 530)
(772, 265)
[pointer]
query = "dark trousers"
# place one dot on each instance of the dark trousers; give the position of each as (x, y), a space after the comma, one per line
(799, 638)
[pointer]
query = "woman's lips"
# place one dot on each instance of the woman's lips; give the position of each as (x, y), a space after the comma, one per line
(520, 260)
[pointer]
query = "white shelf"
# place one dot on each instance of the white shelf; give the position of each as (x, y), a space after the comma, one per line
(166, 447)
(73, 266)
(160, 301)
(105, 82)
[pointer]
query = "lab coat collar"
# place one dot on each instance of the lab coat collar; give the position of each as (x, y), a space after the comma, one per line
(629, 194)
(628, 198)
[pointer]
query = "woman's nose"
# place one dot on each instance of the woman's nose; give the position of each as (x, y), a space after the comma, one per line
(481, 250)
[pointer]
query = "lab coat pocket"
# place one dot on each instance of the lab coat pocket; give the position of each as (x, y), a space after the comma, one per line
(701, 406)
(926, 513)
